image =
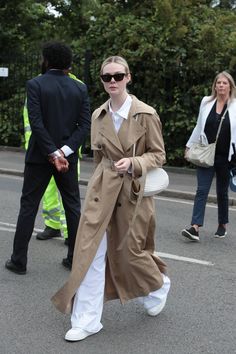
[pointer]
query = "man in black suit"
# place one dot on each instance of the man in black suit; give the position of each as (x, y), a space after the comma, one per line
(59, 116)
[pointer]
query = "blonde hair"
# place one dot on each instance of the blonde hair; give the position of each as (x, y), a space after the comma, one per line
(231, 83)
(115, 59)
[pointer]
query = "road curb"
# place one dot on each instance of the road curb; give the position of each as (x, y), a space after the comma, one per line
(173, 193)
(11, 172)
(86, 157)
(168, 193)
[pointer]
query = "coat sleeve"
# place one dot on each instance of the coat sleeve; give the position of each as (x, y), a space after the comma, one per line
(232, 119)
(154, 155)
(79, 135)
(41, 134)
(195, 136)
(97, 150)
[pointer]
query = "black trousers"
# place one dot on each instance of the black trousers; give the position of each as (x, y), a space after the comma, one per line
(36, 179)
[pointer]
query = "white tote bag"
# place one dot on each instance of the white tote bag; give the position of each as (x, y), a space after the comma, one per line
(201, 154)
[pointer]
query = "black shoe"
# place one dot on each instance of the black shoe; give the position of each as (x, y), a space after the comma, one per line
(48, 233)
(14, 268)
(67, 263)
(221, 232)
(191, 234)
(66, 242)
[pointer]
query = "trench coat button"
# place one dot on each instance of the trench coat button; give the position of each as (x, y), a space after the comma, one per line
(99, 146)
(121, 175)
(119, 204)
(96, 199)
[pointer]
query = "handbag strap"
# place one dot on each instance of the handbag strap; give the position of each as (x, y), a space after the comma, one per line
(134, 146)
(220, 125)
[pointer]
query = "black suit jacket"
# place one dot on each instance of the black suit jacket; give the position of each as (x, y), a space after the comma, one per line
(59, 114)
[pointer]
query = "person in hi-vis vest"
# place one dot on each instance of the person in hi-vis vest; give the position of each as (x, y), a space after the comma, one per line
(53, 212)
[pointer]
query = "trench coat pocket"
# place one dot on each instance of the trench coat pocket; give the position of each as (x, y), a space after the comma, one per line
(134, 190)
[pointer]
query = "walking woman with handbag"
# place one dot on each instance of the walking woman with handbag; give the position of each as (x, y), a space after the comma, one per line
(114, 254)
(217, 114)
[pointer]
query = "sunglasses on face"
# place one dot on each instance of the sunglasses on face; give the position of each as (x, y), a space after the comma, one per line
(116, 77)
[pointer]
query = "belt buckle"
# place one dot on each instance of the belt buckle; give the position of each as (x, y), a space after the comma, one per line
(113, 165)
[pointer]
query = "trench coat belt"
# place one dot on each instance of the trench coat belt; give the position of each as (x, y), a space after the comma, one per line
(138, 202)
(108, 163)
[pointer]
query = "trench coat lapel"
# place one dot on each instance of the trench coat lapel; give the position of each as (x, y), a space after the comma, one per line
(205, 112)
(130, 131)
(108, 131)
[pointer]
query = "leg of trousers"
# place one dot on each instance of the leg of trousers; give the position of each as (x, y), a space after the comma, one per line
(36, 179)
(204, 181)
(88, 301)
(222, 186)
(52, 206)
(68, 186)
(156, 297)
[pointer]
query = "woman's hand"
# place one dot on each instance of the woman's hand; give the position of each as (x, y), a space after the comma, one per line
(185, 152)
(123, 165)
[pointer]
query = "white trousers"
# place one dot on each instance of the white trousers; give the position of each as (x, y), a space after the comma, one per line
(88, 302)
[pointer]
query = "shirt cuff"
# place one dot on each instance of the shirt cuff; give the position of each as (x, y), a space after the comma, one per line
(67, 150)
(55, 154)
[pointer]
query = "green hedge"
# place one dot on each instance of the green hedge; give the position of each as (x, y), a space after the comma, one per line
(174, 49)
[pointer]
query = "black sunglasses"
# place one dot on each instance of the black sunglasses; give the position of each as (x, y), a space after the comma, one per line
(116, 77)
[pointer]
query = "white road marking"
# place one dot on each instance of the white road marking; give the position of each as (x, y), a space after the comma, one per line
(4, 226)
(20, 178)
(9, 226)
(183, 259)
(208, 205)
(6, 229)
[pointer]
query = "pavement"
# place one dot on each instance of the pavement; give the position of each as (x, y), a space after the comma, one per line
(182, 180)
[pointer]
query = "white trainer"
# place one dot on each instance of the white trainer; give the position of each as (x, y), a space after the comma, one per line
(154, 311)
(76, 334)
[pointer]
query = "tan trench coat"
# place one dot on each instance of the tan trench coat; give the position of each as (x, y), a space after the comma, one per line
(132, 269)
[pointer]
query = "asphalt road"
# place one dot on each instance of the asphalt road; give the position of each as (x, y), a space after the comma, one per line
(200, 315)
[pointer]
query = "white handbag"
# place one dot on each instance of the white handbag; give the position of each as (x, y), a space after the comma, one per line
(156, 179)
(201, 154)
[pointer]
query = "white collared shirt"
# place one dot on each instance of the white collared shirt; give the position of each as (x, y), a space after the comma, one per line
(121, 114)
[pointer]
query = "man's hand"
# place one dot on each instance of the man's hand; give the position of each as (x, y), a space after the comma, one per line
(59, 161)
(61, 164)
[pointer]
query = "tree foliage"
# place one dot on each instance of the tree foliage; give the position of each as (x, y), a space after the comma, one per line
(174, 49)
(24, 24)
(174, 55)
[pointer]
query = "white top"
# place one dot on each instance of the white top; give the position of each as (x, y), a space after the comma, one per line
(121, 114)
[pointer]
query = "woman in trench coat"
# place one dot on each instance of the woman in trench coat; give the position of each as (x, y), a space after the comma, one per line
(114, 252)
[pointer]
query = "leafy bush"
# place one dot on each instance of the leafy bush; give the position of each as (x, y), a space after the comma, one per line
(173, 52)
(11, 121)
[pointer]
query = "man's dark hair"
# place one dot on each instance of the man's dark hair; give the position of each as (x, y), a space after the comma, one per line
(58, 55)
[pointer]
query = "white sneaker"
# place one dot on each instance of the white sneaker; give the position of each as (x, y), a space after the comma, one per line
(154, 311)
(76, 334)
